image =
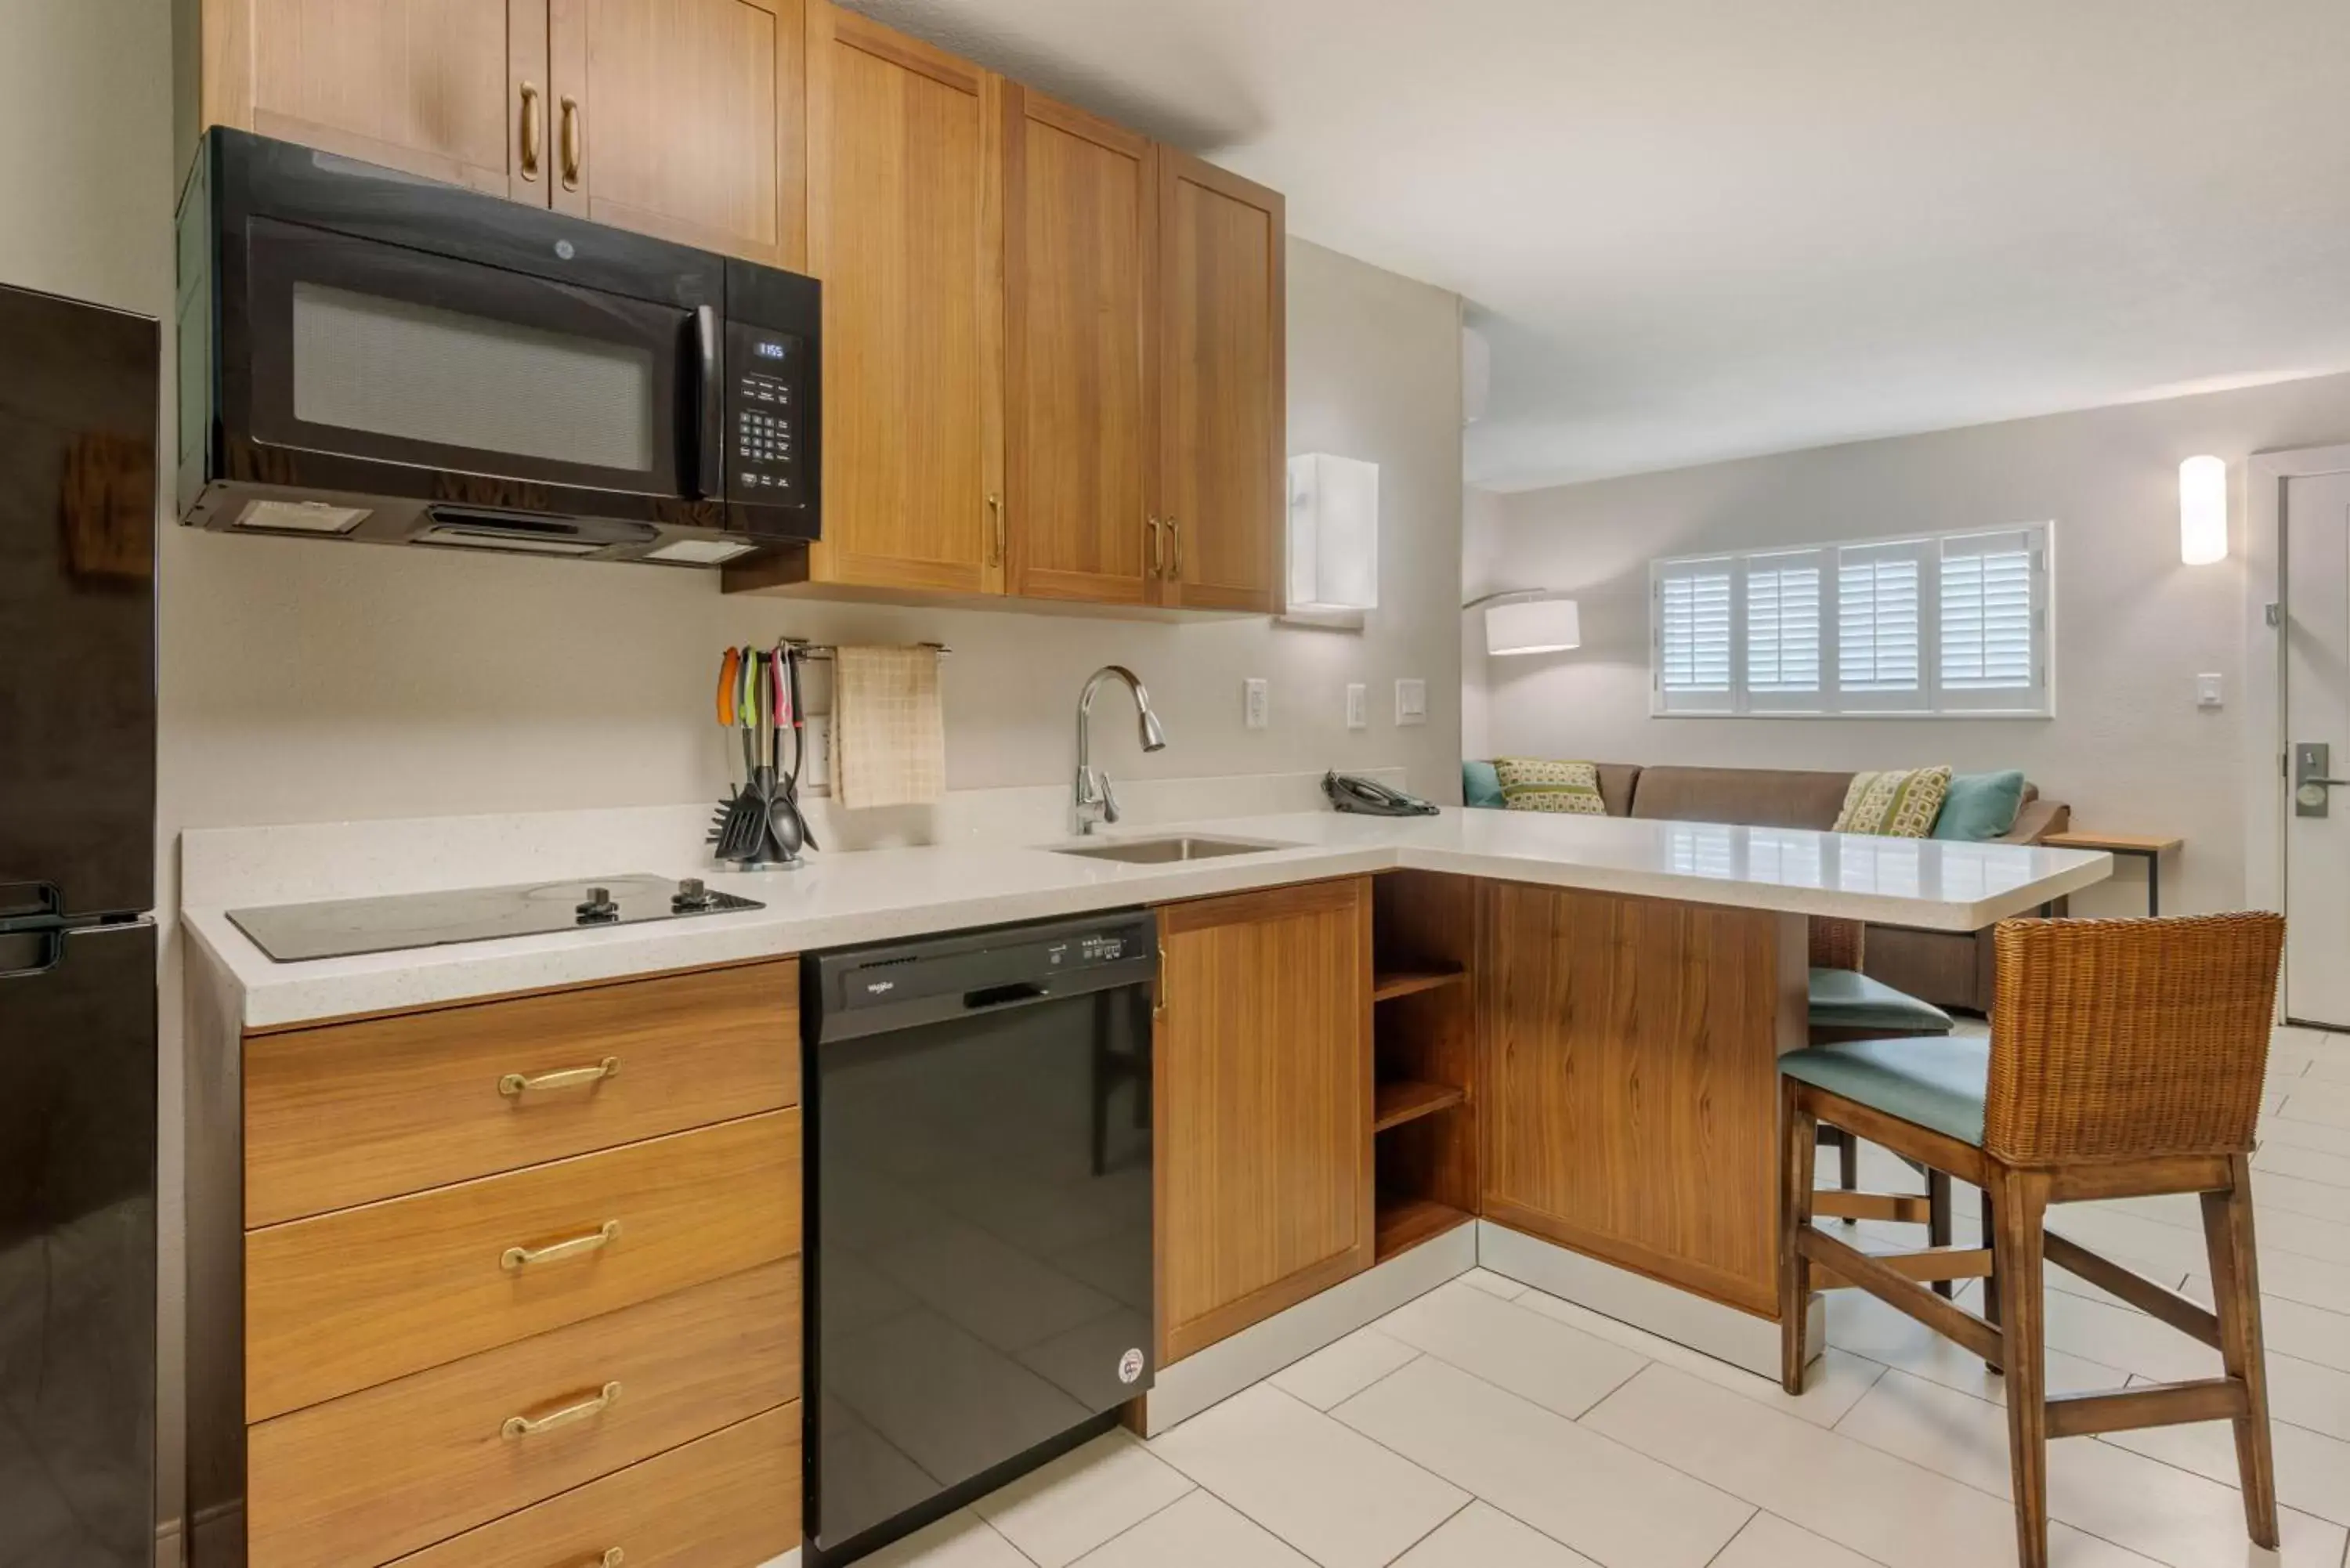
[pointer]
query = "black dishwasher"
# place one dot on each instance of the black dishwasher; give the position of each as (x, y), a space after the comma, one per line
(979, 1233)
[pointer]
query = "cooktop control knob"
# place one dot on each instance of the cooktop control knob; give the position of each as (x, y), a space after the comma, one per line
(692, 897)
(599, 907)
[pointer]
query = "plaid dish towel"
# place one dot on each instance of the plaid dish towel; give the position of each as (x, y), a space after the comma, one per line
(889, 733)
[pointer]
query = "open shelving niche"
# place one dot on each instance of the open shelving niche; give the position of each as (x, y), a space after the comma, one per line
(1424, 1042)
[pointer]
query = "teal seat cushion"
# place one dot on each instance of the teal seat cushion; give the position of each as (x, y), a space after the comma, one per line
(1481, 784)
(1847, 999)
(1979, 806)
(1936, 1084)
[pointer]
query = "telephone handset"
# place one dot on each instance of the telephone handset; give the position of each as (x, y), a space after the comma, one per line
(1369, 797)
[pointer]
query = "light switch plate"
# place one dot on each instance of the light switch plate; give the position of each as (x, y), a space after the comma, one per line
(2208, 691)
(815, 772)
(1358, 706)
(1411, 703)
(1257, 700)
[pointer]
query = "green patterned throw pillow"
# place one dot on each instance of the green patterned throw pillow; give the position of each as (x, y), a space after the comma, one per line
(1901, 803)
(1530, 784)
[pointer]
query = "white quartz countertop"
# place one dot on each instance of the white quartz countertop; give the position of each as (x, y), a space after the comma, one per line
(878, 895)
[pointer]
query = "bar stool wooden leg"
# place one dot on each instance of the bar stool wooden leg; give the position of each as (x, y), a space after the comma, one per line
(1847, 1162)
(2022, 1199)
(2236, 1291)
(1796, 1179)
(1938, 1220)
(1990, 1281)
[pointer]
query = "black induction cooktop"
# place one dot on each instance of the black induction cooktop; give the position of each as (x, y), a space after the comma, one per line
(338, 928)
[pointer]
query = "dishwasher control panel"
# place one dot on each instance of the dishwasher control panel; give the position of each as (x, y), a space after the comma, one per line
(972, 971)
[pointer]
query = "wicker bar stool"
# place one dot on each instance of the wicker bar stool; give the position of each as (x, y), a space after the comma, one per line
(1848, 1004)
(2126, 1060)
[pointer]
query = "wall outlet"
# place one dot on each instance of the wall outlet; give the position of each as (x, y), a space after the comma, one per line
(2208, 691)
(815, 770)
(1411, 703)
(1257, 701)
(1358, 706)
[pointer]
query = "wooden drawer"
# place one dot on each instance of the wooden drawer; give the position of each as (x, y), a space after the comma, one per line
(352, 1299)
(354, 1112)
(731, 1501)
(390, 1469)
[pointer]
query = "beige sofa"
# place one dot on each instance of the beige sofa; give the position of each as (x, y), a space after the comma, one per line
(1948, 968)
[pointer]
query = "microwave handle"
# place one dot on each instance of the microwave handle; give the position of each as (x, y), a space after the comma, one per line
(710, 405)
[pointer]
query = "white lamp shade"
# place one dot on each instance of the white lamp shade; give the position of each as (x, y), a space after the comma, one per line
(1533, 626)
(1334, 533)
(2203, 510)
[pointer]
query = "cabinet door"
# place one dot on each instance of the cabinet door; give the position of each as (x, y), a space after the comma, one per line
(1222, 490)
(1080, 232)
(905, 228)
(1264, 1131)
(682, 118)
(453, 90)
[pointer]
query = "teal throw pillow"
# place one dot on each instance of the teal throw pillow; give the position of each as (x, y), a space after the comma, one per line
(1481, 785)
(1979, 806)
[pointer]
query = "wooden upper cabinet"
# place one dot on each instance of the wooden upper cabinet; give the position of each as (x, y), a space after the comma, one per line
(682, 118)
(1080, 238)
(1222, 463)
(904, 230)
(1263, 1129)
(437, 88)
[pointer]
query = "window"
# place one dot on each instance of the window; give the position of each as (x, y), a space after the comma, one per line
(1937, 624)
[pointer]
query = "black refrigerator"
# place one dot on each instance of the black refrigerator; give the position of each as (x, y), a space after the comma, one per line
(79, 390)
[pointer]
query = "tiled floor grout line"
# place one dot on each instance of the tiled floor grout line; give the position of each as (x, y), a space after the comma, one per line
(1473, 1499)
(1190, 1486)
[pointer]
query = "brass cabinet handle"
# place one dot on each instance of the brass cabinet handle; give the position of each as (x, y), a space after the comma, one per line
(530, 131)
(1175, 562)
(514, 1085)
(1158, 1007)
(517, 1258)
(571, 154)
(1158, 547)
(612, 1559)
(995, 551)
(526, 1426)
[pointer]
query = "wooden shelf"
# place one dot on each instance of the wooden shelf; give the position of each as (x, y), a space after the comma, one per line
(1401, 1100)
(1405, 981)
(1404, 1222)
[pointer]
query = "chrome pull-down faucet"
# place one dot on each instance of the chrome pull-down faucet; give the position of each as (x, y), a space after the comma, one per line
(1093, 801)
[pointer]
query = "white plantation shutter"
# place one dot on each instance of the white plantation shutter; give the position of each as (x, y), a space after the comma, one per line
(1934, 624)
(1991, 612)
(1783, 631)
(1880, 620)
(1693, 636)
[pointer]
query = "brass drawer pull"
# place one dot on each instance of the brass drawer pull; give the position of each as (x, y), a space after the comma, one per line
(514, 1085)
(572, 155)
(612, 1559)
(995, 542)
(517, 1258)
(1175, 562)
(530, 131)
(526, 1426)
(1158, 547)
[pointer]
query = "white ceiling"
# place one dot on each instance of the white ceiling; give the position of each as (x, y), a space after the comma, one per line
(1697, 229)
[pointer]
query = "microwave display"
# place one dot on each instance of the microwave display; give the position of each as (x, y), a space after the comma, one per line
(767, 396)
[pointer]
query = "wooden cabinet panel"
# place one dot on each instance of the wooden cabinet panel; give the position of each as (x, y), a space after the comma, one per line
(354, 1112)
(1263, 1106)
(683, 119)
(355, 1298)
(433, 87)
(369, 1476)
(1080, 233)
(906, 231)
(1629, 1086)
(729, 1500)
(1223, 485)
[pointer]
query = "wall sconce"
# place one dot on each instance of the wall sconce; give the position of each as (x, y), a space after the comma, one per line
(2203, 510)
(1528, 621)
(1333, 534)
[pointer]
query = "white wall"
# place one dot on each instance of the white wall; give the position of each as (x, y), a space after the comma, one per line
(304, 682)
(2128, 748)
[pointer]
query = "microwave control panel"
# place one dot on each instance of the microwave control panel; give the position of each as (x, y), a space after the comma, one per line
(765, 394)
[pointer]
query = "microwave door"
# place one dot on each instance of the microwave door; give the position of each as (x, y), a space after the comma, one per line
(484, 378)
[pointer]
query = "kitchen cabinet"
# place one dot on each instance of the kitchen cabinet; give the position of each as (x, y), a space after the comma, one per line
(682, 118)
(1263, 1105)
(1223, 497)
(1080, 235)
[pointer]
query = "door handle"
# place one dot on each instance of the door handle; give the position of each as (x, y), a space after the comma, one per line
(2312, 770)
(710, 405)
(1175, 554)
(995, 541)
(1158, 547)
(532, 132)
(573, 156)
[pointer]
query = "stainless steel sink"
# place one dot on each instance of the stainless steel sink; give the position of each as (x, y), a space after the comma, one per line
(1165, 851)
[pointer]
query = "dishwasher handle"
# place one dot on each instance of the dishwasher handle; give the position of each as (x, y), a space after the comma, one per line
(989, 998)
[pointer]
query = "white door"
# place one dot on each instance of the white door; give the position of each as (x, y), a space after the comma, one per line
(2318, 746)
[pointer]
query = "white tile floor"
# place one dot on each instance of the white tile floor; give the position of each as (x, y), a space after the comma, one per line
(1490, 1426)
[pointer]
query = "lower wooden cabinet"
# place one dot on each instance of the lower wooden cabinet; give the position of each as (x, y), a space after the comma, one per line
(1263, 1078)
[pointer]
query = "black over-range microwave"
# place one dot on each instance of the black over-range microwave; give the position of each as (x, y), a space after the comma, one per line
(365, 354)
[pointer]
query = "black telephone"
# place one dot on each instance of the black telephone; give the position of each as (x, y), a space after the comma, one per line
(1369, 797)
